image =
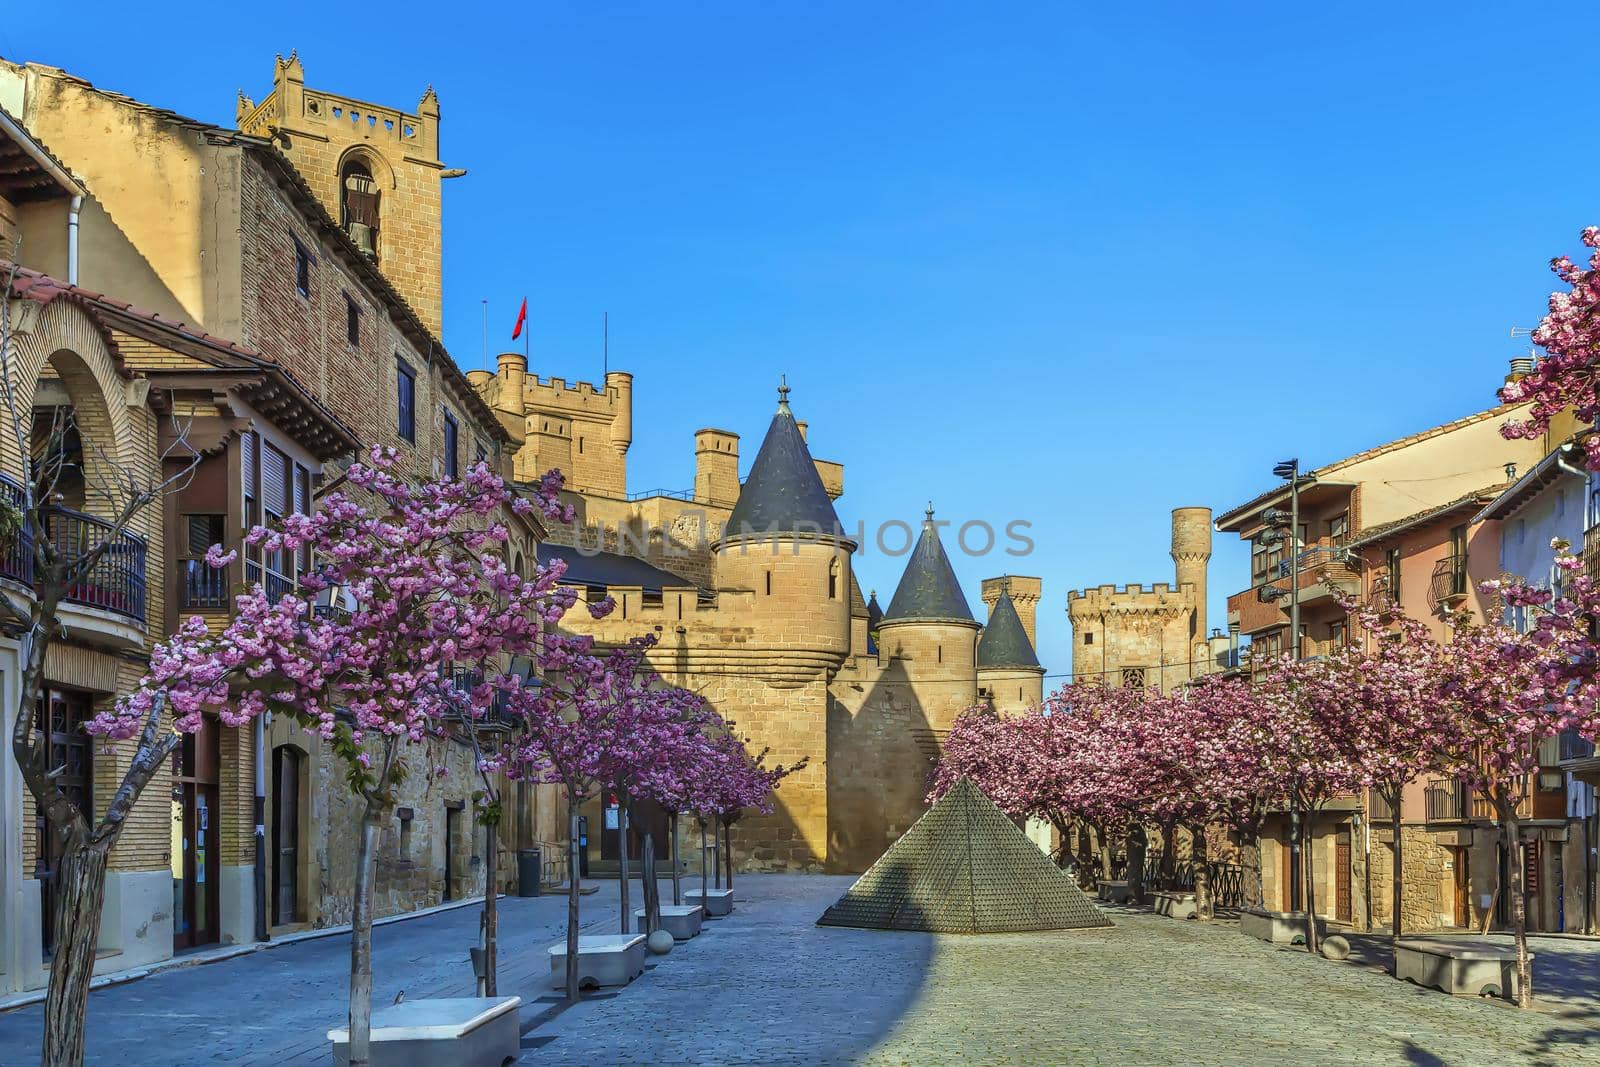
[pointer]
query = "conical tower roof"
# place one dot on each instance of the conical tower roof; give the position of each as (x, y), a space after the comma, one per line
(928, 589)
(783, 493)
(963, 868)
(874, 611)
(1004, 642)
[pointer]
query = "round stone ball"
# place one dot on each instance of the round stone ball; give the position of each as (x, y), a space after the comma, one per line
(1336, 947)
(659, 942)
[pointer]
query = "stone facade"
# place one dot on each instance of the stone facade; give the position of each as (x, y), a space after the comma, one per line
(1148, 638)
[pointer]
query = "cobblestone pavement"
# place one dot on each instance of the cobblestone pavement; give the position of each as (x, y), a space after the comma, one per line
(767, 986)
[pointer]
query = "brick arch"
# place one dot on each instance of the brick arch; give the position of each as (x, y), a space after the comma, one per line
(65, 343)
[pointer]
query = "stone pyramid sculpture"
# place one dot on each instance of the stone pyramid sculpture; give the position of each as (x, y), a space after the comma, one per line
(963, 868)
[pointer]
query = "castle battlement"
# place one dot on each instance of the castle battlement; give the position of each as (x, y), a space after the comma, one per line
(1131, 597)
(558, 392)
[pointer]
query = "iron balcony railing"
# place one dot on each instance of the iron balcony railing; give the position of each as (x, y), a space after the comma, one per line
(116, 581)
(203, 586)
(1591, 552)
(1449, 579)
(1320, 558)
(1378, 807)
(1445, 800)
(1573, 746)
(275, 585)
(1226, 881)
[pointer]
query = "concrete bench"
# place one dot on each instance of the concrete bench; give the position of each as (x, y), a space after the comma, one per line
(717, 902)
(1464, 968)
(1275, 927)
(603, 959)
(1114, 892)
(444, 1032)
(1174, 905)
(682, 921)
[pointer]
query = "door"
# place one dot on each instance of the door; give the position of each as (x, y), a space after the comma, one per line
(286, 835)
(1341, 878)
(60, 715)
(1463, 899)
(610, 836)
(195, 830)
(452, 833)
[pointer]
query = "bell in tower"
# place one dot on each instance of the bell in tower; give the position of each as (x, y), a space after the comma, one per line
(359, 208)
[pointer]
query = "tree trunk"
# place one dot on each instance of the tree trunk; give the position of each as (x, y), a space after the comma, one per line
(716, 836)
(1105, 856)
(361, 937)
(622, 858)
(1308, 886)
(677, 880)
(703, 860)
(1250, 862)
(1397, 923)
(1138, 842)
(81, 893)
(652, 898)
(1199, 851)
(491, 911)
(1169, 855)
(727, 851)
(1519, 911)
(572, 896)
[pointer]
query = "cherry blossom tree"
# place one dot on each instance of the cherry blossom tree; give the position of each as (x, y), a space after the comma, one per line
(424, 566)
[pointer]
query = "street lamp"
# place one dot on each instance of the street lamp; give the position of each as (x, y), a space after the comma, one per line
(1288, 529)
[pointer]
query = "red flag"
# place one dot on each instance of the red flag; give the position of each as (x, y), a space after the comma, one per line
(522, 317)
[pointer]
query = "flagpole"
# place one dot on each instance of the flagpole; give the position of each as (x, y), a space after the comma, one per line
(486, 333)
(526, 330)
(605, 345)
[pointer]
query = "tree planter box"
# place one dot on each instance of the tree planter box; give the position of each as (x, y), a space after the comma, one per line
(1277, 927)
(1114, 892)
(470, 1031)
(682, 921)
(603, 959)
(717, 902)
(1460, 968)
(1175, 905)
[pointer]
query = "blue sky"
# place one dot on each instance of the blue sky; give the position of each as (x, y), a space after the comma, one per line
(1070, 264)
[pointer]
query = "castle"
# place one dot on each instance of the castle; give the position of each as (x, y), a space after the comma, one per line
(749, 589)
(1136, 637)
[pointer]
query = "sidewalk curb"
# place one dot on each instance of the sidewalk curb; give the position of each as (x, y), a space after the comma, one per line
(229, 952)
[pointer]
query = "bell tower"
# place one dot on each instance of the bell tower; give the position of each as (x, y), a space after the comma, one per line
(376, 170)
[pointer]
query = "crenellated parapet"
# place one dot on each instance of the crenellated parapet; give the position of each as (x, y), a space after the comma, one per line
(1159, 598)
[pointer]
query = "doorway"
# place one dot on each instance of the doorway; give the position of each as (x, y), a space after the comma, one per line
(286, 777)
(1342, 909)
(60, 716)
(195, 832)
(610, 836)
(1461, 912)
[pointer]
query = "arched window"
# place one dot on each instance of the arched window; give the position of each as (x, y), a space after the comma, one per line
(358, 206)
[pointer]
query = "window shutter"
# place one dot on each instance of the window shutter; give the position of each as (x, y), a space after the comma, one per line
(247, 452)
(274, 481)
(302, 490)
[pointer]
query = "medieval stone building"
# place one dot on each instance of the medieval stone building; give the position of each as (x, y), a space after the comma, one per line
(749, 589)
(1150, 638)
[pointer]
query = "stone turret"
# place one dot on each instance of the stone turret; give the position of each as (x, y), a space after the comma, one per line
(1191, 551)
(1008, 668)
(930, 631)
(784, 545)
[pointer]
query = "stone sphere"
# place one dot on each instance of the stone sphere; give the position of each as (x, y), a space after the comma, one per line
(659, 942)
(1336, 947)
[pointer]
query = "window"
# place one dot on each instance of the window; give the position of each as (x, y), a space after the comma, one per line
(302, 270)
(1338, 529)
(406, 400)
(1258, 563)
(1133, 677)
(580, 446)
(769, 583)
(452, 435)
(352, 321)
(204, 531)
(833, 580)
(1338, 634)
(1392, 561)
(481, 454)
(1088, 638)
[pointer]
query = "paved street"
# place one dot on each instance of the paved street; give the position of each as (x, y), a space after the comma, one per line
(765, 985)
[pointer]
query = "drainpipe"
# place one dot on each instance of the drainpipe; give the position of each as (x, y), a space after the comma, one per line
(262, 933)
(72, 238)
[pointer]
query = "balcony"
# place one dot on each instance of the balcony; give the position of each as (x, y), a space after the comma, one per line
(1448, 586)
(116, 581)
(275, 585)
(1446, 800)
(1378, 808)
(1591, 552)
(202, 587)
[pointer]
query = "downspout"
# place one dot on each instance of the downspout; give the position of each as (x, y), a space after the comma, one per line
(262, 933)
(73, 209)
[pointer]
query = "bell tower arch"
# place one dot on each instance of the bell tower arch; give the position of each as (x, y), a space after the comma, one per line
(375, 169)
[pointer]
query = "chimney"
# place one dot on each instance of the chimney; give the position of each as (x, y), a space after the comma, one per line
(1521, 367)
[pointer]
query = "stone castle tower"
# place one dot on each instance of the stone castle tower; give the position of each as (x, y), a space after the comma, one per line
(750, 590)
(375, 170)
(1148, 637)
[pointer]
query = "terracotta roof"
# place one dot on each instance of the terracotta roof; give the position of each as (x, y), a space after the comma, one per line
(223, 355)
(1473, 500)
(28, 170)
(1263, 499)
